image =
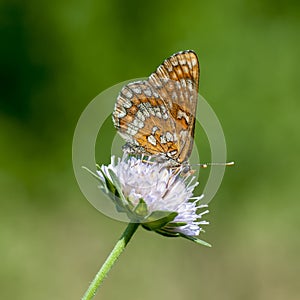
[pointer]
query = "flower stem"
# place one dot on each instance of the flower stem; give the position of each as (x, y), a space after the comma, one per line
(111, 259)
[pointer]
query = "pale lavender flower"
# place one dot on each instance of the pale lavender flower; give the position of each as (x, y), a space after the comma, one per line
(156, 195)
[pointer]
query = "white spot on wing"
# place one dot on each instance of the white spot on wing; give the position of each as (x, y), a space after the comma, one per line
(137, 90)
(144, 110)
(155, 95)
(163, 139)
(194, 61)
(121, 112)
(132, 131)
(140, 115)
(149, 108)
(148, 92)
(172, 153)
(181, 114)
(182, 60)
(175, 136)
(127, 93)
(190, 86)
(126, 102)
(183, 83)
(138, 123)
(175, 62)
(151, 139)
(154, 129)
(169, 136)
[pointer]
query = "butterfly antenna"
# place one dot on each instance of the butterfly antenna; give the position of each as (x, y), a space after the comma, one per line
(206, 165)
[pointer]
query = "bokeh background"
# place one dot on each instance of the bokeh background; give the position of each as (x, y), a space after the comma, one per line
(56, 56)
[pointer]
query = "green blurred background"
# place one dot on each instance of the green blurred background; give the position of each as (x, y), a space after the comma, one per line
(56, 56)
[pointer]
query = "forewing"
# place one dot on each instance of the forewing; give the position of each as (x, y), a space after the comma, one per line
(176, 81)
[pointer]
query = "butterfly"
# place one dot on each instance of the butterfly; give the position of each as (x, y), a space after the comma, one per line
(157, 116)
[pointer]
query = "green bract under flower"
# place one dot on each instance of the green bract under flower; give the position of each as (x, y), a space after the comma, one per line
(155, 195)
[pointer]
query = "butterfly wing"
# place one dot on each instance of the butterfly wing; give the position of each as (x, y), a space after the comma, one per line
(177, 81)
(157, 116)
(142, 119)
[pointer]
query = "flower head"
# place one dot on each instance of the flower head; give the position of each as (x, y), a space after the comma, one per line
(154, 194)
